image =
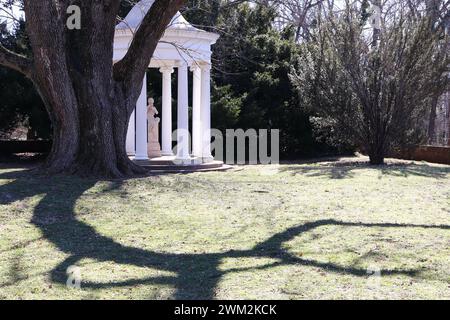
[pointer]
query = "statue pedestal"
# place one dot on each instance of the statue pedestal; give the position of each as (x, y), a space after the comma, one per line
(154, 150)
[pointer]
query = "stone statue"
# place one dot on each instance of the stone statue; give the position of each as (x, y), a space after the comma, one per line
(153, 147)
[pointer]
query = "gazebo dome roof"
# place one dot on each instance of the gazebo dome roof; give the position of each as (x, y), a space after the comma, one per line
(136, 15)
(181, 40)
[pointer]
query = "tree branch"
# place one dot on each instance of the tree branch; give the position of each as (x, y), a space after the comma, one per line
(15, 61)
(132, 67)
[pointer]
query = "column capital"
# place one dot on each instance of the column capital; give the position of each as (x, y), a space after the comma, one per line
(206, 66)
(182, 65)
(166, 69)
(195, 67)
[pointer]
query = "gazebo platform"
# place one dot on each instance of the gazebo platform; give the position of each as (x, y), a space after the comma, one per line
(170, 164)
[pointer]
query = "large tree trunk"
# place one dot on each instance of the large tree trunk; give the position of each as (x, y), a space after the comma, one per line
(377, 150)
(89, 130)
(89, 100)
(376, 158)
(74, 76)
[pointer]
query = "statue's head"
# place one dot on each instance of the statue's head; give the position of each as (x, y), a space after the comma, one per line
(151, 101)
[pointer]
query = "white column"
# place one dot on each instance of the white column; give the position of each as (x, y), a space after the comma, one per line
(206, 113)
(166, 130)
(196, 112)
(141, 124)
(183, 115)
(131, 135)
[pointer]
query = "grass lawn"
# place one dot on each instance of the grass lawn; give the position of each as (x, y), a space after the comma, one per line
(295, 231)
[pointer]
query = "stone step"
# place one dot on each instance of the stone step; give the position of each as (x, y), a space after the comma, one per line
(165, 165)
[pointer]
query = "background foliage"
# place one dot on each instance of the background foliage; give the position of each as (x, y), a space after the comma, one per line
(261, 44)
(252, 62)
(251, 86)
(19, 102)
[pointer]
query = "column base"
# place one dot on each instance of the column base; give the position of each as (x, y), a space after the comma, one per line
(154, 150)
(139, 157)
(207, 159)
(167, 153)
(182, 161)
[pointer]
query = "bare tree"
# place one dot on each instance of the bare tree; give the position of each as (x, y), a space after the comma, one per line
(375, 93)
(301, 14)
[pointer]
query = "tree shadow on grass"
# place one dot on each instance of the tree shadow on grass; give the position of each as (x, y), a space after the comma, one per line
(342, 170)
(196, 275)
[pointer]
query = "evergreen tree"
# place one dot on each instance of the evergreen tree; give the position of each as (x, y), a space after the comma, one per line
(252, 61)
(20, 105)
(373, 90)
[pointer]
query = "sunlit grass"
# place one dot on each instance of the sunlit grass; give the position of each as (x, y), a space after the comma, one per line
(295, 231)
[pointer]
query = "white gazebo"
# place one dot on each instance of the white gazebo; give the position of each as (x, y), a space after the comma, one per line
(183, 47)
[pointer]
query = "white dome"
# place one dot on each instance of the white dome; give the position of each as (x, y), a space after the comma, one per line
(180, 42)
(134, 18)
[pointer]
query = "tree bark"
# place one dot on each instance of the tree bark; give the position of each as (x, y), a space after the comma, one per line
(432, 121)
(376, 158)
(89, 99)
(377, 153)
